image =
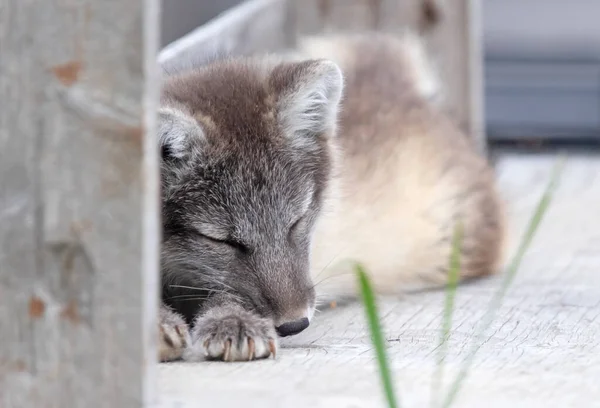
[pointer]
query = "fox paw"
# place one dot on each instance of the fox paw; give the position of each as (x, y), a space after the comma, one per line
(234, 334)
(173, 335)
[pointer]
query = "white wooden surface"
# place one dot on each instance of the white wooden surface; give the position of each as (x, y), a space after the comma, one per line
(78, 203)
(543, 349)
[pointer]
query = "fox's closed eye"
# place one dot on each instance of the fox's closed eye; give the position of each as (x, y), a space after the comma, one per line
(297, 228)
(309, 202)
(296, 224)
(226, 241)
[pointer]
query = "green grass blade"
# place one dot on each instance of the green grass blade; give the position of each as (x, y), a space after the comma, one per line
(453, 276)
(376, 335)
(509, 277)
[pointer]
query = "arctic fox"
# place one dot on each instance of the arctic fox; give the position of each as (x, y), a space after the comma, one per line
(279, 171)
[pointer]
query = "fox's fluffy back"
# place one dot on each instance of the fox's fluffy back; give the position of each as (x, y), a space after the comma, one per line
(407, 174)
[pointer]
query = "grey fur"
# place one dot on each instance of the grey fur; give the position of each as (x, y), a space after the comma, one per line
(249, 335)
(246, 163)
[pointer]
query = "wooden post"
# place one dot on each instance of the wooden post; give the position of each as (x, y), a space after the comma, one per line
(79, 203)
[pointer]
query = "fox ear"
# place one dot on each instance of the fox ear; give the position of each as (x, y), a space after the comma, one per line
(180, 136)
(309, 95)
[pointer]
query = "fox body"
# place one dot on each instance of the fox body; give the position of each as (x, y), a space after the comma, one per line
(279, 171)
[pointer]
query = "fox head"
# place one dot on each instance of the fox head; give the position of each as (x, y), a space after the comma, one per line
(248, 151)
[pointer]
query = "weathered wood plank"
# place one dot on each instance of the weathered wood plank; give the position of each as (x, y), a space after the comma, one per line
(329, 16)
(78, 203)
(253, 26)
(456, 44)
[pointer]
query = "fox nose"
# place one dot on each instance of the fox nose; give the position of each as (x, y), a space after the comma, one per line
(291, 328)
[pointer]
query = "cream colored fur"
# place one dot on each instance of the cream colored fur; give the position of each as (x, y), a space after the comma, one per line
(393, 216)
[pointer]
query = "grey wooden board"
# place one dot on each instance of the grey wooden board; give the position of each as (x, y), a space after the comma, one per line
(79, 238)
(253, 26)
(542, 350)
(179, 17)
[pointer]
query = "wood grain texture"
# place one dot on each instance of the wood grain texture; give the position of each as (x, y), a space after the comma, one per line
(78, 203)
(542, 350)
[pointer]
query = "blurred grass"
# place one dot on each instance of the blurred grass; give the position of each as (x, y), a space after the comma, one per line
(368, 298)
(453, 277)
(377, 337)
(512, 270)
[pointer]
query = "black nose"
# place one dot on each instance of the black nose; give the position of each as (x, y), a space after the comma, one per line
(291, 328)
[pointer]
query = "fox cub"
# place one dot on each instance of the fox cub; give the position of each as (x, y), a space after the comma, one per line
(278, 169)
